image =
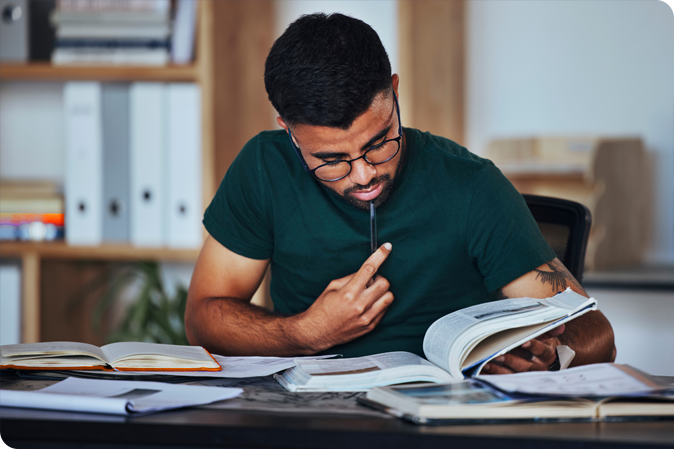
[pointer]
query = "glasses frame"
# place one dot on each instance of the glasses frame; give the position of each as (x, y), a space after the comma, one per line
(364, 156)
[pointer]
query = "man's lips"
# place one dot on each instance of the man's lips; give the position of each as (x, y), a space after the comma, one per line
(370, 194)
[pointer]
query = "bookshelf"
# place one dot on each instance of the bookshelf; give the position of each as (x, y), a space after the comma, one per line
(233, 110)
(49, 72)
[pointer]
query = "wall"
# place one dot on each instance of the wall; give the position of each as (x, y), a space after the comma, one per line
(642, 324)
(382, 15)
(591, 67)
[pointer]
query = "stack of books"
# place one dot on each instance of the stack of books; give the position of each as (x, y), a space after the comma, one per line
(31, 211)
(133, 32)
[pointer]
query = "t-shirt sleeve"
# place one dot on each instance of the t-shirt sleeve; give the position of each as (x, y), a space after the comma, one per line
(239, 217)
(503, 237)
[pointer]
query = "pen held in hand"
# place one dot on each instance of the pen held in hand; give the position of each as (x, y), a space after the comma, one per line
(373, 228)
(373, 232)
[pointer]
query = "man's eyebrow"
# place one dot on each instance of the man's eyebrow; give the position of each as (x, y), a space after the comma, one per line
(336, 155)
(380, 135)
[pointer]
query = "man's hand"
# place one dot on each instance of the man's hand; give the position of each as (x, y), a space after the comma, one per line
(349, 307)
(535, 355)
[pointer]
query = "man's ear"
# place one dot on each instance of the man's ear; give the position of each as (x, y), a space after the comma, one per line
(281, 123)
(395, 79)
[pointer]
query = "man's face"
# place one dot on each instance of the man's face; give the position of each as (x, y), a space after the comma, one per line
(365, 182)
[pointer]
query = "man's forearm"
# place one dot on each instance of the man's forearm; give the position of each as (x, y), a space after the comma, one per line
(591, 336)
(229, 326)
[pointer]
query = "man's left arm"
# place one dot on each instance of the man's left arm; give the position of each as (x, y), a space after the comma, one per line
(590, 335)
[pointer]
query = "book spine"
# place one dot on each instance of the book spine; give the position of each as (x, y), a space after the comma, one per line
(112, 44)
(112, 57)
(113, 31)
(113, 5)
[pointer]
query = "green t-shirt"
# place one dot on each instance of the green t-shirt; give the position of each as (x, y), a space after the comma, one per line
(459, 230)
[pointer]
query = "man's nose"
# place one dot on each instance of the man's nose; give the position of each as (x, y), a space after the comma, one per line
(362, 172)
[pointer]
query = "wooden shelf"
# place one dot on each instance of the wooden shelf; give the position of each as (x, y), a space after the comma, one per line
(60, 250)
(49, 72)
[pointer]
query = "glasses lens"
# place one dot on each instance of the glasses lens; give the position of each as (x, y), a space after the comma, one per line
(382, 153)
(333, 171)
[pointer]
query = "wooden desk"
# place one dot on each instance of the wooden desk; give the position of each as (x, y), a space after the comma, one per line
(201, 428)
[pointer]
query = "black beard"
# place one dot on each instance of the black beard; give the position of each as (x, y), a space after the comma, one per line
(387, 188)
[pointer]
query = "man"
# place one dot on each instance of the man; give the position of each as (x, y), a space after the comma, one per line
(298, 198)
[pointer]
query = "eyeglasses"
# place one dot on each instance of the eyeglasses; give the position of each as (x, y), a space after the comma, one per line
(340, 169)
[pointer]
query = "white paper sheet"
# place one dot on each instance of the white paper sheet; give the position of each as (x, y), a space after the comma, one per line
(603, 379)
(234, 367)
(119, 397)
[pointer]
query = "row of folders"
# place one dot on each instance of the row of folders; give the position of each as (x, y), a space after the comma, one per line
(133, 171)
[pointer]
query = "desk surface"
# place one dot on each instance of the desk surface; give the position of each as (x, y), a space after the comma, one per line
(235, 428)
(230, 428)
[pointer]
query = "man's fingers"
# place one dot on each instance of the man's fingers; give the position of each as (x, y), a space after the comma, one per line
(544, 352)
(378, 307)
(370, 267)
(556, 332)
(341, 282)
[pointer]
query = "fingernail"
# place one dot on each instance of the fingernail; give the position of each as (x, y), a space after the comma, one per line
(526, 345)
(388, 246)
(487, 367)
(499, 359)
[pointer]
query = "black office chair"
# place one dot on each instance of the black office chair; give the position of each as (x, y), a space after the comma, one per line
(565, 225)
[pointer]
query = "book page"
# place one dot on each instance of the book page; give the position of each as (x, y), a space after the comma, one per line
(117, 351)
(476, 322)
(443, 333)
(356, 365)
(54, 348)
(601, 379)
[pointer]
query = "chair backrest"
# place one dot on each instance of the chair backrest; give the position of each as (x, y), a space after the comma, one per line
(565, 225)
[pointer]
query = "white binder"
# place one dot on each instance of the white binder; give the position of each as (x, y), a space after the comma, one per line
(84, 167)
(184, 210)
(115, 116)
(147, 116)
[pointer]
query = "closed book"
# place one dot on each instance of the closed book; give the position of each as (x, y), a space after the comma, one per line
(131, 56)
(84, 163)
(147, 116)
(184, 30)
(159, 6)
(112, 43)
(184, 166)
(138, 18)
(113, 31)
(116, 162)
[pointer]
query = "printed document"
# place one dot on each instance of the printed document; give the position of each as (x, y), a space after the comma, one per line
(119, 397)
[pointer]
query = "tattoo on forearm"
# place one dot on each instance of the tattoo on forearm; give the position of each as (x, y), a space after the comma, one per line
(559, 277)
(500, 294)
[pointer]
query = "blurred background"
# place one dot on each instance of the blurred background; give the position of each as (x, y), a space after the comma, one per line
(119, 118)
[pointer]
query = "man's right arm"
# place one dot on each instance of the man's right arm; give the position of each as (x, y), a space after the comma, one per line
(220, 317)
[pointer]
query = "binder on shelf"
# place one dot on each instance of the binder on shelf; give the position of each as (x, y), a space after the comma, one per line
(115, 114)
(147, 116)
(14, 30)
(84, 165)
(184, 166)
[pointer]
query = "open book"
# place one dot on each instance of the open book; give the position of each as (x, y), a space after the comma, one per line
(592, 392)
(457, 345)
(127, 356)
